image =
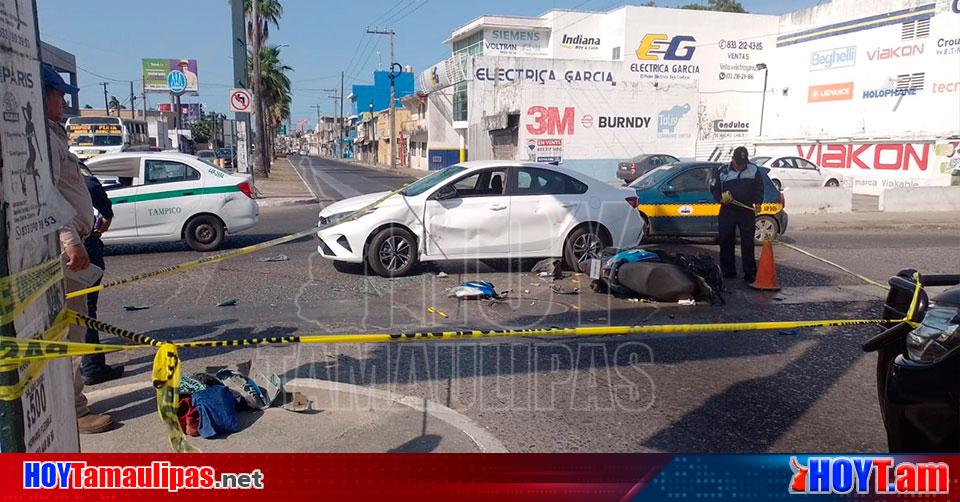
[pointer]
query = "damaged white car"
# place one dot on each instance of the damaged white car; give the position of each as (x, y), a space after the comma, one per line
(482, 210)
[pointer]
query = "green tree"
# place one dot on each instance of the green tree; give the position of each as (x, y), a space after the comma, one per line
(275, 90)
(717, 5)
(261, 14)
(201, 130)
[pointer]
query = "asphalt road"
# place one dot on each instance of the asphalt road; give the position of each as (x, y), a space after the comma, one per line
(808, 391)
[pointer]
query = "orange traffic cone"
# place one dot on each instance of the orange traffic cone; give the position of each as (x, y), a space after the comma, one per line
(767, 271)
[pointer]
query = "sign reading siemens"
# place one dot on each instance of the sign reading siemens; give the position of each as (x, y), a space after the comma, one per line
(515, 42)
(833, 58)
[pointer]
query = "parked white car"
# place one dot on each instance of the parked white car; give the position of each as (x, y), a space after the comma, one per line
(483, 210)
(788, 172)
(160, 197)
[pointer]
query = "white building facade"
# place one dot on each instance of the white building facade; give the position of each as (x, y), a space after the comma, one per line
(870, 87)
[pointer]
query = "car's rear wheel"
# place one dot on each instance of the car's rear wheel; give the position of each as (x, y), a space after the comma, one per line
(583, 244)
(766, 228)
(392, 252)
(832, 183)
(204, 233)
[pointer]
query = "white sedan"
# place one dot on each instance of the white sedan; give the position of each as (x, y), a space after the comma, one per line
(788, 172)
(161, 197)
(482, 210)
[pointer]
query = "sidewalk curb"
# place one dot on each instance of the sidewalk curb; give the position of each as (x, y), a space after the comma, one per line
(301, 179)
(484, 440)
(285, 201)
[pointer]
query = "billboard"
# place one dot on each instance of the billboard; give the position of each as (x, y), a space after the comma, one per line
(155, 74)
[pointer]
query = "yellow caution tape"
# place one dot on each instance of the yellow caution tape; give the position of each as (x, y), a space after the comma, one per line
(90, 323)
(835, 265)
(166, 379)
(190, 265)
(19, 290)
(56, 331)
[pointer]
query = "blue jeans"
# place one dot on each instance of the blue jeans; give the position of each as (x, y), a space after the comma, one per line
(96, 363)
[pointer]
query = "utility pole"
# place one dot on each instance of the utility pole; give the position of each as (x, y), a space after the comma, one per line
(106, 102)
(133, 102)
(334, 97)
(393, 99)
(319, 126)
(341, 131)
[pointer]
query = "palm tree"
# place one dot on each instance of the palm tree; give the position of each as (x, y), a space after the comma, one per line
(260, 15)
(275, 91)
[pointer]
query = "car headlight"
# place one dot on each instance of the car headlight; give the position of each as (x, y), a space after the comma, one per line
(339, 217)
(936, 337)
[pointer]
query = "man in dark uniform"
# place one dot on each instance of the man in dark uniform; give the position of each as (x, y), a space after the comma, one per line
(94, 367)
(739, 188)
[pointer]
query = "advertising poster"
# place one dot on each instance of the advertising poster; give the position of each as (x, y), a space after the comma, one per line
(43, 419)
(155, 74)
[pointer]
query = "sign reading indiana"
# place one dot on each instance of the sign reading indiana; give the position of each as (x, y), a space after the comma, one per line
(155, 74)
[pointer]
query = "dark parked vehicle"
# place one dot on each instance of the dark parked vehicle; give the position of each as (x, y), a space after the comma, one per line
(918, 365)
(642, 164)
(228, 156)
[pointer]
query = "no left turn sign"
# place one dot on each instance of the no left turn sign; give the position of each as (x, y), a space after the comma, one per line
(240, 100)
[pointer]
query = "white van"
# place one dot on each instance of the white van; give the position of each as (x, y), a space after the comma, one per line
(159, 197)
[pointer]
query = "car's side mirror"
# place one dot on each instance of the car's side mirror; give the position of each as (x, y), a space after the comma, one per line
(446, 192)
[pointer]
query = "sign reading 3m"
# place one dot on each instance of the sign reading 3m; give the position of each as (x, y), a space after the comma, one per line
(660, 47)
(549, 121)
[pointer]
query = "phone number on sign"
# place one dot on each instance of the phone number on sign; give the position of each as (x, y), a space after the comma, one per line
(741, 45)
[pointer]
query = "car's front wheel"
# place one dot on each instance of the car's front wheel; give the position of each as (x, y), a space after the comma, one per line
(583, 244)
(204, 233)
(392, 252)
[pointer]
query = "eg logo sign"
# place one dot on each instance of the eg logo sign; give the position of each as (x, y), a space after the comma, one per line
(657, 46)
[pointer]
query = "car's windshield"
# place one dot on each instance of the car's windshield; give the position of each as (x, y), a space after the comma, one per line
(429, 182)
(652, 178)
(759, 160)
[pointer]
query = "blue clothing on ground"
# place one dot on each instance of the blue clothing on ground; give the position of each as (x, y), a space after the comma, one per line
(218, 413)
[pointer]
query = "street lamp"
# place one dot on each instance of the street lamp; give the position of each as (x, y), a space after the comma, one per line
(763, 103)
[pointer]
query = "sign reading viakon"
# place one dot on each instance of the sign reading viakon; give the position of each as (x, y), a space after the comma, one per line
(516, 42)
(664, 56)
(901, 51)
(829, 59)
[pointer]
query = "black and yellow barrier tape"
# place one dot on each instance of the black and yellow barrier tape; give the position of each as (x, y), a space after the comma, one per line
(190, 265)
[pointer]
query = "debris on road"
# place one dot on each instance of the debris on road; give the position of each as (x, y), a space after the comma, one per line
(134, 308)
(268, 259)
(548, 267)
(436, 312)
(298, 403)
(228, 303)
(689, 302)
(443, 275)
(560, 290)
(474, 290)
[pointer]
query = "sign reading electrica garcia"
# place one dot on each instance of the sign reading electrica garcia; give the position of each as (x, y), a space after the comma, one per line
(155, 72)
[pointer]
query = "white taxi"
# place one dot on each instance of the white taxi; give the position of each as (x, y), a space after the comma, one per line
(160, 197)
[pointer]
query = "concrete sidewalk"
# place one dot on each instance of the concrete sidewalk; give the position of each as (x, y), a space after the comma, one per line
(343, 418)
(284, 187)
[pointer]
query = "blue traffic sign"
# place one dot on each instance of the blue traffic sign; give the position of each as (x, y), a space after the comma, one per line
(177, 82)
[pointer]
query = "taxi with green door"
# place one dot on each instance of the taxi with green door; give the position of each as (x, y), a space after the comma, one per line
(169, 196)
(675, 200)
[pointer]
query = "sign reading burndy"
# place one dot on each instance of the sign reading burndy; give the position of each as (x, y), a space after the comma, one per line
(830, 92)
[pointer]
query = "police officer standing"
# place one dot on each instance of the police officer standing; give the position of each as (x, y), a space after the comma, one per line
(738, 187)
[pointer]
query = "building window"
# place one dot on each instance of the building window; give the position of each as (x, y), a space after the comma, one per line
(460, 101)
(423, 149)
(913, 30)
(616, 54)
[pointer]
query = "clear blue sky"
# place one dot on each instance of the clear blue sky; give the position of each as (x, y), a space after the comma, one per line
(109, 38)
